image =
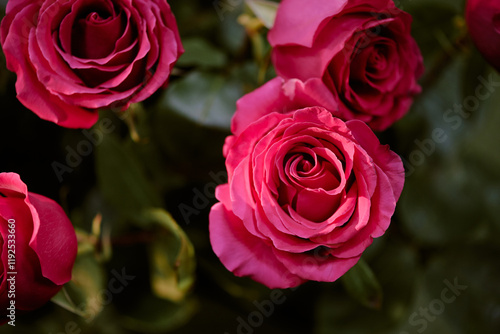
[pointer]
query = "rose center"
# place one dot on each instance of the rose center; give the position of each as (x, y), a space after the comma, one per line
(378, 60)
(96, 18)
(96, 30)
(305, 165)
(311, 177)
(311, 171)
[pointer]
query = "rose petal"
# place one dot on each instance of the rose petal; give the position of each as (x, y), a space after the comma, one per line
(260, 102)
(244, 254)
(27, 268)
(29, 90)
(15, 206)
(56, 255)
(309, 267)
(311, 61)
(95, 36)
(310, 18)
(383, 157)
(382, 210)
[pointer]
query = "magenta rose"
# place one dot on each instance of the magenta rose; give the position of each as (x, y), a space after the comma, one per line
(306, 195)
(38, 247)
(483, 20)
(73, 57)
(361, 50)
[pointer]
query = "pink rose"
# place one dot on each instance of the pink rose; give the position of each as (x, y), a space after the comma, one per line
(73, 57)
(483, 20)
(361, 50)
(306, 194)
(38, 244)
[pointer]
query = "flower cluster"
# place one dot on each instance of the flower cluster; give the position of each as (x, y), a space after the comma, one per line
(309, 183)
(71, 58)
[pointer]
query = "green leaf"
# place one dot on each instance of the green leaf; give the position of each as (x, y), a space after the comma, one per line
(457, 297)
(362, 285)
(436, 206)
(462, 285)
(121, 178)
(154, 315)
(172, 257)
(396, 269)
(198, 52)
(456, 6)
(475, 67)
(264, 10)
(81, 294)
(63, 299)
(205, 98)
(483, 137)
(435, 29)
(480, 143)
(231, 34)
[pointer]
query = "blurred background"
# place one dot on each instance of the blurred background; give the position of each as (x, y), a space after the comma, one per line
(140, 197)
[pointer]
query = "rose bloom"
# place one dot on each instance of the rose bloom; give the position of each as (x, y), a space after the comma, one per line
(37, 231)
(361, 50)
(73, 57)
(483, 20)
(306, 195)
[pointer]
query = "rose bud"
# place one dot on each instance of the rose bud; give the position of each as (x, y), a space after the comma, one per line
(38, 247)
(483, 20)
